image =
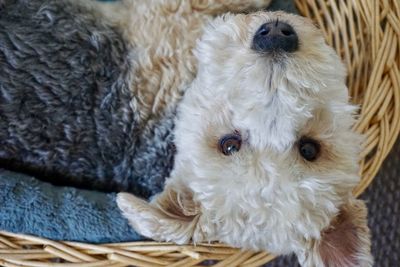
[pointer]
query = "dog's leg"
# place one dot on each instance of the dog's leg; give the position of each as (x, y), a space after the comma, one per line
(171, 216)
(215, 7)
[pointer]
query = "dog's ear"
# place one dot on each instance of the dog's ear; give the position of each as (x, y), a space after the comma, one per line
(171, 216)
(345, 243)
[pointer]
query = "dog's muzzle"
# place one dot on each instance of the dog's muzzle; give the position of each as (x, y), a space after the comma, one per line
(275, 36)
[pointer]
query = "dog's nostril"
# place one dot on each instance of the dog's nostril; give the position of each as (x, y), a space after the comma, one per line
(287, 32)
(275, 36)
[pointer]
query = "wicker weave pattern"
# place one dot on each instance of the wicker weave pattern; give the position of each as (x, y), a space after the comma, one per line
(366, 33)
(22, 250)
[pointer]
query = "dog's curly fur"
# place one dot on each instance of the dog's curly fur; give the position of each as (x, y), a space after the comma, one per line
(265, 196)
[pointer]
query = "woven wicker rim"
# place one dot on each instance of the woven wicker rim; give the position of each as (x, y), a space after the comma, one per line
(367, 36)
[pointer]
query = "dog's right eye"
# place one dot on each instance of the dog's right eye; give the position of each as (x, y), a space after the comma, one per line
(230, 143)
(309, 148)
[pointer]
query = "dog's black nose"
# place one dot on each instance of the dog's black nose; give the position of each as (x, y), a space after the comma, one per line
(275, 36)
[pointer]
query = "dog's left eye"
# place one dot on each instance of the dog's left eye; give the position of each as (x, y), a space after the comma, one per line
(309, 149)
(230, 143)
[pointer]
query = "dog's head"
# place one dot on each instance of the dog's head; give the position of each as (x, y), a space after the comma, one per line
(266, 155)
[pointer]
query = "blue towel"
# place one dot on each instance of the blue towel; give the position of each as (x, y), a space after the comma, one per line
(60, 213)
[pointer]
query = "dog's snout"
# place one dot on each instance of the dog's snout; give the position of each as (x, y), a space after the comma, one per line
(275, 36)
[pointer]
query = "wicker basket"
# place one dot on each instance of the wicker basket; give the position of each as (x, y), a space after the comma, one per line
(366, 33)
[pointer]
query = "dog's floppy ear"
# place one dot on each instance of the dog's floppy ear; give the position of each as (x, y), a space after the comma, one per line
(171, 216)
(345, 243)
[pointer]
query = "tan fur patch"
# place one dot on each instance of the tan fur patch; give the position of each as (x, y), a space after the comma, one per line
(343, 243)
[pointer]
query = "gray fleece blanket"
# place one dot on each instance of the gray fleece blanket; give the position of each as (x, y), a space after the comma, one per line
(66, 117)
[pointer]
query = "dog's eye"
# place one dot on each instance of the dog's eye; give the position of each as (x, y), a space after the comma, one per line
(309, 149)
(230, 143)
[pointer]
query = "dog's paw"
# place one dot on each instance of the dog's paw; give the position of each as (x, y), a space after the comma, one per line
(139, 213)
(153, 222)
